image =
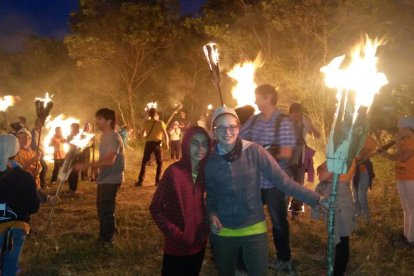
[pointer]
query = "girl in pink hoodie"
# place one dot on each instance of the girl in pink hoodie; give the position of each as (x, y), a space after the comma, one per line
(178, 207)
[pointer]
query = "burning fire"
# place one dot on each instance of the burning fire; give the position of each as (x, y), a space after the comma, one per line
(359, 75)
(211, 47)
(82, 139)
(6, 102)
(243, 74)
(151, 105)
(50, 126)
(45, 100)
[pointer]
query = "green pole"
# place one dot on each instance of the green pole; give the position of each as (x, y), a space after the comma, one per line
(331, 225)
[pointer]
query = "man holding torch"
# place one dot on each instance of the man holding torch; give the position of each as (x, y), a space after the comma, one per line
(111, 165)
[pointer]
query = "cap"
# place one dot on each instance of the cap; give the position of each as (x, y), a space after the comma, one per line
(221, 111)
(406, 122)
(24, 131)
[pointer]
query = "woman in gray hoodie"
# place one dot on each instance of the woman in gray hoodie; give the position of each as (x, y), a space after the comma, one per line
(234, 202)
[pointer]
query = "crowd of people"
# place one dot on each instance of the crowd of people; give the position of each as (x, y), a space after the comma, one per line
(225, 170)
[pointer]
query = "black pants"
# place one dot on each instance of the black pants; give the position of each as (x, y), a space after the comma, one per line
(341, 256)
(56, 168)
(175, 149)
(105, 205)
(276, 203)
(43, 173)
(73, 180)
(151, 147)
(85, 158)
(183, 265)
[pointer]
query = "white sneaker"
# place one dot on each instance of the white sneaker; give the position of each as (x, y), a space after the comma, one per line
(281, 266)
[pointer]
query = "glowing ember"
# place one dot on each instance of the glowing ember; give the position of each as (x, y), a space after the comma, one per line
(243, 74)
(50, 126)
(6, 102)
(359, 75)
(45, 100)
(82, 140)
(210, 107)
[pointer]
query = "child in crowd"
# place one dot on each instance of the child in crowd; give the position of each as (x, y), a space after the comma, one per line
(175, 140)
(345, 222)
(178, 207)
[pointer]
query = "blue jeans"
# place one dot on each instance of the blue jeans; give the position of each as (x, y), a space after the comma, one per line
(10, 260)
(361, 195)
(276, 203)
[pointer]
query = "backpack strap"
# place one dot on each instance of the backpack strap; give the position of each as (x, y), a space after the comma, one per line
(149, 133)
(278, 123)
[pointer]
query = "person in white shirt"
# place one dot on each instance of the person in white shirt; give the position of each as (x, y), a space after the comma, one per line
(175, 140)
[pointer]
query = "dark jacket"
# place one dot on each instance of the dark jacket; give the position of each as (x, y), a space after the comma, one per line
(18, 191)
(233, 188)
(178, 206)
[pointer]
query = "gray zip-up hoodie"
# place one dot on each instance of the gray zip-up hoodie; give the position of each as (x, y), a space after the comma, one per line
(233, 188)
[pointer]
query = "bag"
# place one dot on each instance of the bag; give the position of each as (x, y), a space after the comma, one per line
(274, 150)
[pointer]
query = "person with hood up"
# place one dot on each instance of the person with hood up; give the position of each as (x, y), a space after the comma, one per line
(234, 202)
(178, 207)
(18, 200)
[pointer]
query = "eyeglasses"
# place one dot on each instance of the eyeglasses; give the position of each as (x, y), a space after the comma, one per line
(223, 129)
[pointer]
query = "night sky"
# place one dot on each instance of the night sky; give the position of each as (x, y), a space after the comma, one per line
(47, 18)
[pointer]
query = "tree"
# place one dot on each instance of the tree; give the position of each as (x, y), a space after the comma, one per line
(121, 44)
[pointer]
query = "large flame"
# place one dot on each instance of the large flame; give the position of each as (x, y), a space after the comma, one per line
(359, 75)
(243, 74)
(6, 102)
(50, 126)
(82, 140)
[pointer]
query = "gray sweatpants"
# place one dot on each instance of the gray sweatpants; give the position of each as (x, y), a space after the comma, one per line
(254, 253)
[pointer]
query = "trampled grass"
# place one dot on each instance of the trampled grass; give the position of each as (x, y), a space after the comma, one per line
(68, 249)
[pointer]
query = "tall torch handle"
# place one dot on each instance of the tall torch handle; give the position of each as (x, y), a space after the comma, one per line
(331, 224)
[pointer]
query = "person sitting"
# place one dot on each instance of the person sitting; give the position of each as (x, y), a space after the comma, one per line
(18, 201)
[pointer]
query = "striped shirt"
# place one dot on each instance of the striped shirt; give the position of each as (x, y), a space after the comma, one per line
(262, 132)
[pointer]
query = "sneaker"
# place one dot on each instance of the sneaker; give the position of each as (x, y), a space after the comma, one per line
(138, 183)
(281, 266)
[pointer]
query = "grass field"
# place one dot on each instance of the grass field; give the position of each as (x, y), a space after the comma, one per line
(68, 249)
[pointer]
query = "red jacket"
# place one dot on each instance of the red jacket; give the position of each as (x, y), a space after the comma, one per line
(178, 207)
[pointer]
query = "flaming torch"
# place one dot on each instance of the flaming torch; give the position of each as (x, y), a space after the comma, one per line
(78, 143)
(43, 108)
(357, 82)
(212, 56)
(5, 103)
